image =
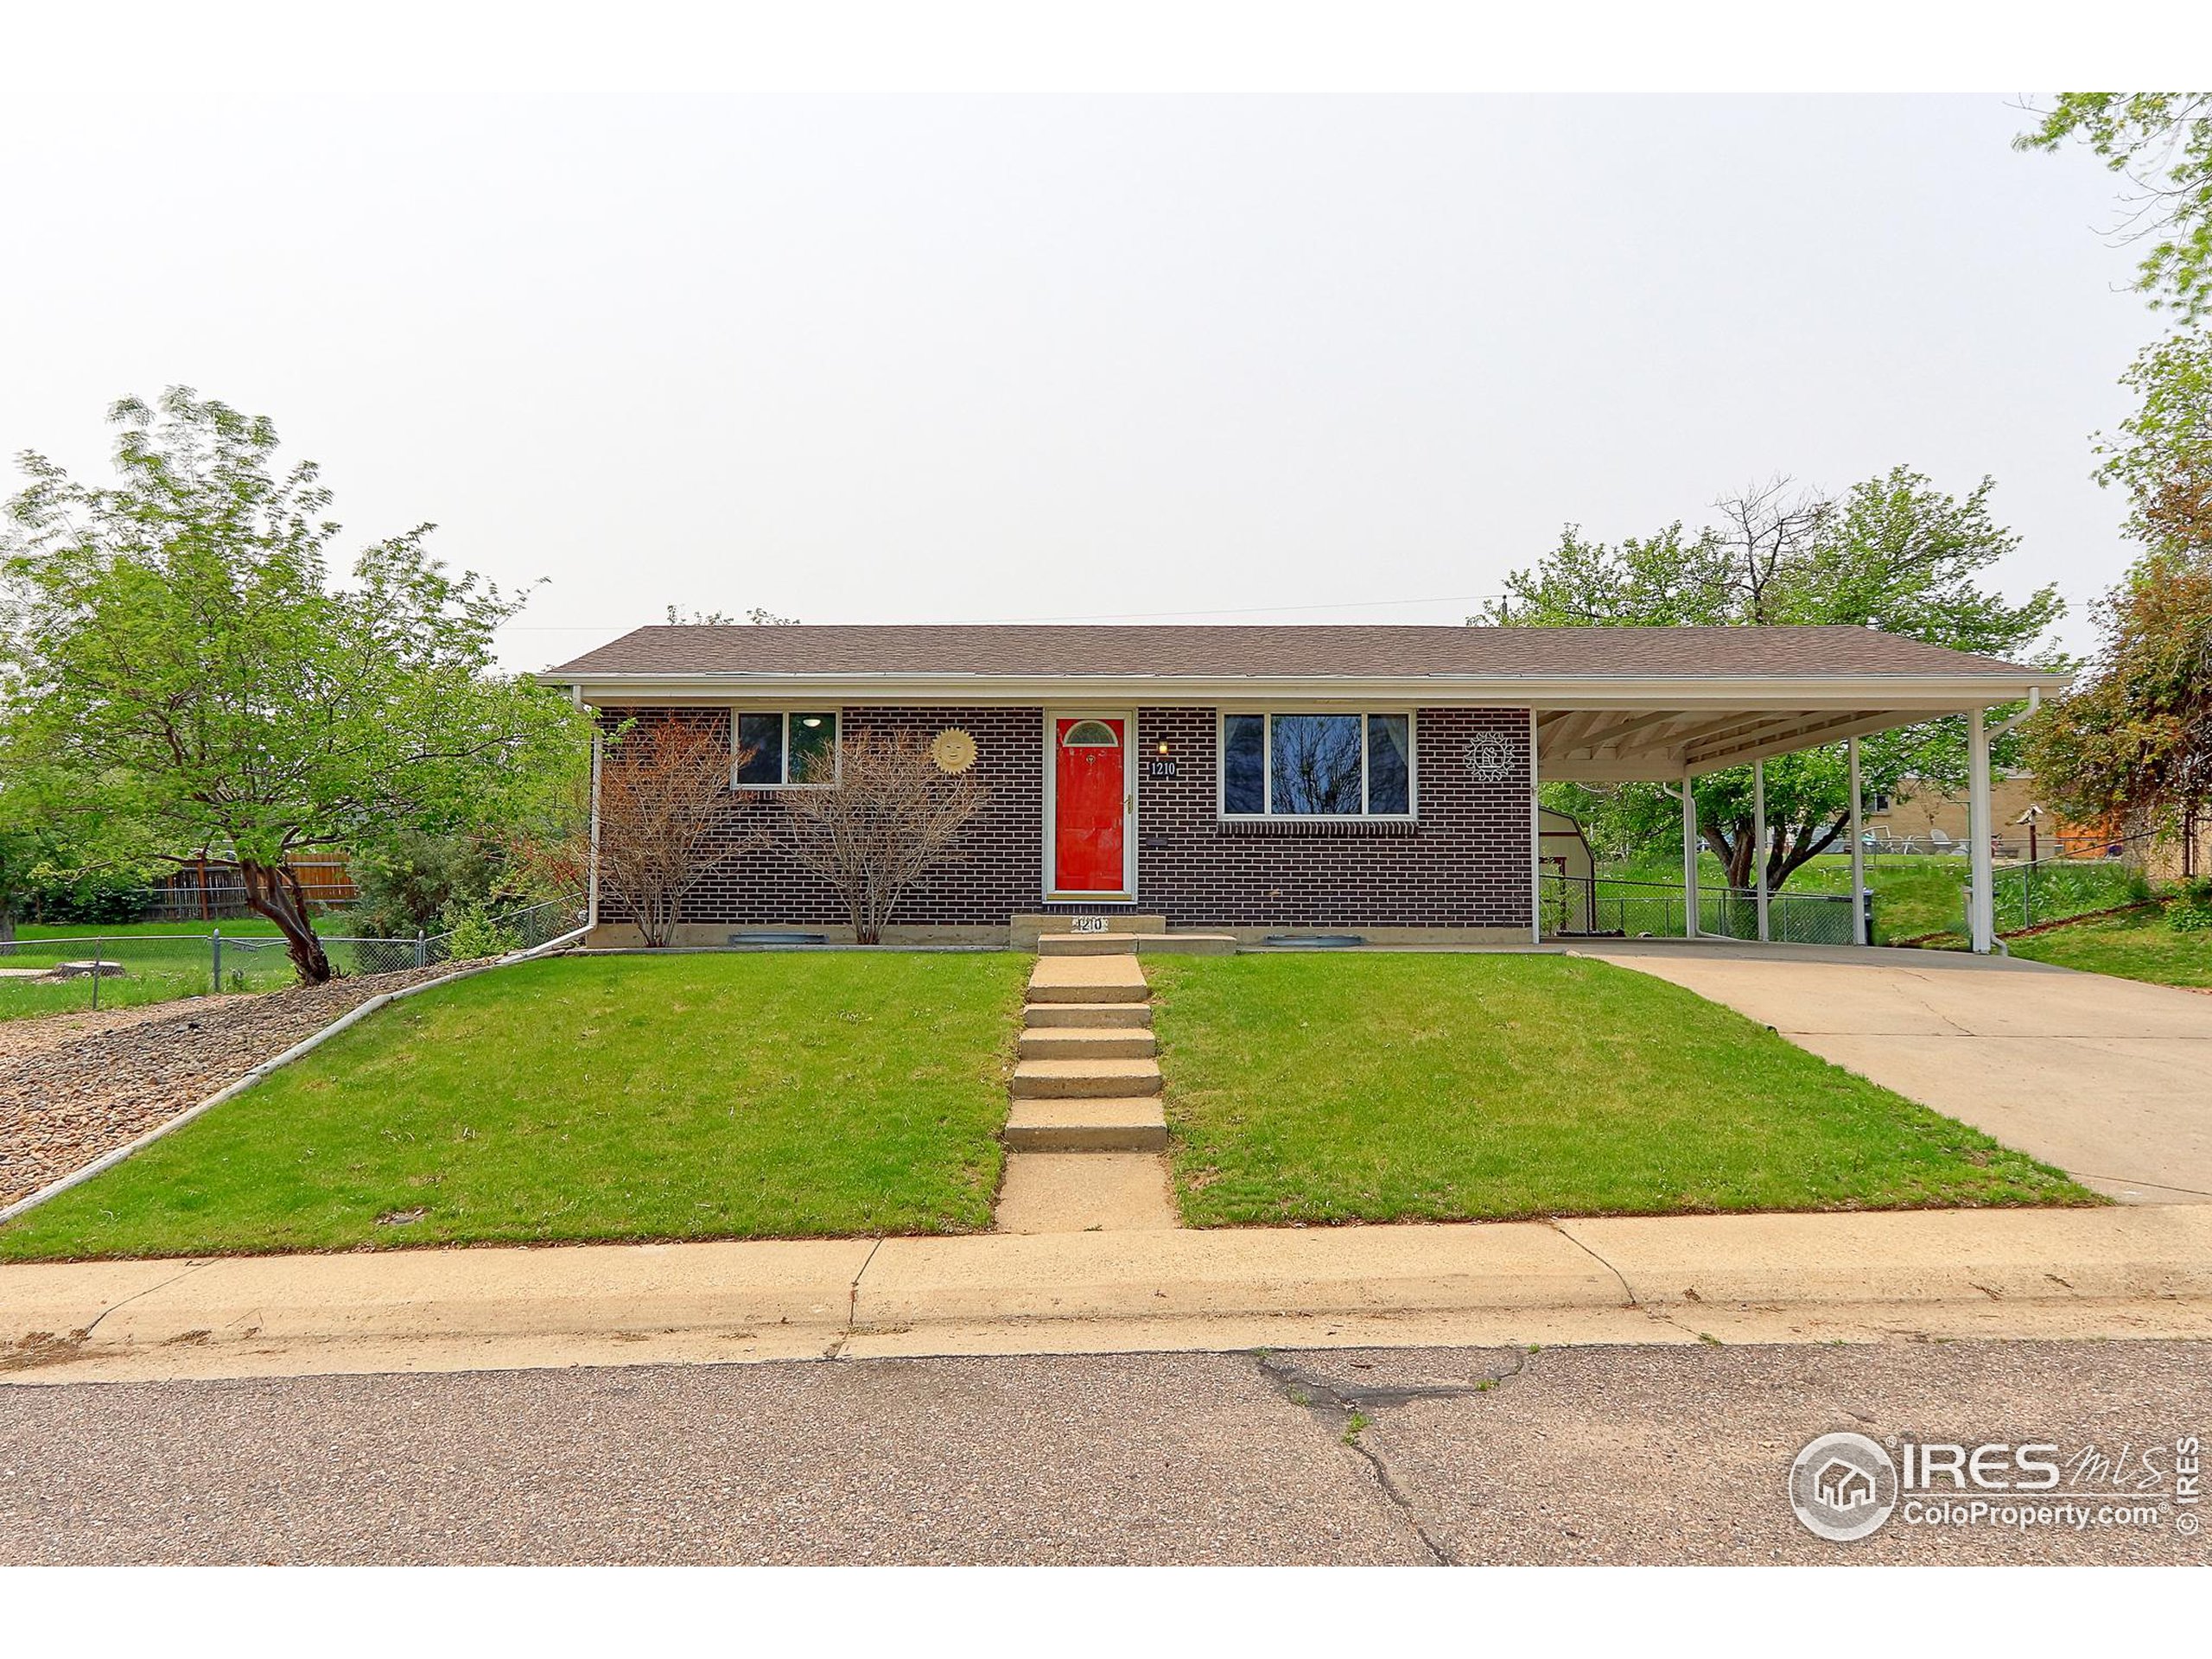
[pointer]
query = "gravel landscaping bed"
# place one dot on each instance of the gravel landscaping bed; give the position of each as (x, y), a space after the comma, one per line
(75, 1085)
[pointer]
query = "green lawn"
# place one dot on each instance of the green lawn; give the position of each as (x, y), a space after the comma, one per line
(1913, 893)
(1919, 893)
(160, 961)
(233, 927)
(2138, 946)
(631, 1098)
(157, 967)
(1332, 1087)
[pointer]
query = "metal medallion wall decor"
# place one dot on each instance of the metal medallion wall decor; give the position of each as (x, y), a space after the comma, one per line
(1489, 759)
(953, 750)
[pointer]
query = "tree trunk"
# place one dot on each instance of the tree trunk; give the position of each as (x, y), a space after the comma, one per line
(1731, 841)
(7, 929)
(1798, 848)
(273, 891)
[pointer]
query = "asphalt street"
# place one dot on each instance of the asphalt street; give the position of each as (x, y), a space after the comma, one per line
(1624, 1454)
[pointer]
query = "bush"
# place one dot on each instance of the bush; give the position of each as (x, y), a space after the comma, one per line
(415, 880)
(477, 932)
(87, 897)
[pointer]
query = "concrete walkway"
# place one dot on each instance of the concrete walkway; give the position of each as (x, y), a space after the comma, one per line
(2015, 1273)
(2110, 1079)
(1085, 1126)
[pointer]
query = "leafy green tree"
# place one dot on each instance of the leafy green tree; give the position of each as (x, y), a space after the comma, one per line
(1892, 553)
(182, 656)
(2161, 143)
(59, 860)
(2134, 740)
(2162, 457)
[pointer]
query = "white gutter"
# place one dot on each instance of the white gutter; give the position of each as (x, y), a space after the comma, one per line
(1945, 693)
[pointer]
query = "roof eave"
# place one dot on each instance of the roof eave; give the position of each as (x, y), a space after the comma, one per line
(1983, 688)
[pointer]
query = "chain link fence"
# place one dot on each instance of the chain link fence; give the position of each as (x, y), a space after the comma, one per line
(2027, 895)
(1609, 907)
(56, 974)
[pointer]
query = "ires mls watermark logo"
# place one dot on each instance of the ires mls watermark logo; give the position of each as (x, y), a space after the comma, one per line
(1845, 1486)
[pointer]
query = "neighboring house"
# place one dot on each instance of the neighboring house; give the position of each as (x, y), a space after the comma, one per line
(1252, 780)
(1928, 816)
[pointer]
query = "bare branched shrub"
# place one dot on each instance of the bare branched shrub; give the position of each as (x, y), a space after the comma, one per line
(664, 795)
(878, 823)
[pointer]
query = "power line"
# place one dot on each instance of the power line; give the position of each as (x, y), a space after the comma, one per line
(1103, 616)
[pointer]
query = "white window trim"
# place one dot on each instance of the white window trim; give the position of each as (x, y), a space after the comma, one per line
(785, 712)
(1266, 773)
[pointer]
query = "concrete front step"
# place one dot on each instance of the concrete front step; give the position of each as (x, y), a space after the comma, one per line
(1042, 1016)
(1087, 979)
(1024, 931)
(1084, 1080)
(1087, 944)
(1125, 1124)
(1088, 1043)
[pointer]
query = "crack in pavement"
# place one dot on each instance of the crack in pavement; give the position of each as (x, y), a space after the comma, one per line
(837, 1348)
(1342, 1408)
(1627, 1290)
(44, 1348)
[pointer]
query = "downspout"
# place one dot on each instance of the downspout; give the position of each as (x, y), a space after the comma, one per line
(591, 877)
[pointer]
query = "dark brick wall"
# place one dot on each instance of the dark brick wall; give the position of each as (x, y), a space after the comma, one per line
(1464, 864)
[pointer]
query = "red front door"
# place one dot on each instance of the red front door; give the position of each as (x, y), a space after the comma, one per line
(1089, 785)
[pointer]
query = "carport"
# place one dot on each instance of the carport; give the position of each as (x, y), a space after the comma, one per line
(1677, 733)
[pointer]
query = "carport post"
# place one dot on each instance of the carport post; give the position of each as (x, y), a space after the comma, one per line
(1981, 913)
(1689, 857)
(1758, 838)
(1858, 855)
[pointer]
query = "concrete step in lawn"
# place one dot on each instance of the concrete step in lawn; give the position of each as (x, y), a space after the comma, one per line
(1040, 1016)
(1088, 1043)
(1087, 979)
(1104, 1125)
(1085, 1192)
(1084, 1079)
(1144, 944)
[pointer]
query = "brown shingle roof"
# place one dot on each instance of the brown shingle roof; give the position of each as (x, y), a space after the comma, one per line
(1271, 652)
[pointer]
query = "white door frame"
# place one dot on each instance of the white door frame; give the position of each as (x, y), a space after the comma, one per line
(1050, 738)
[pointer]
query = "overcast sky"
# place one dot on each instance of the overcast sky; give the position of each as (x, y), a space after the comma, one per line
(892, 360)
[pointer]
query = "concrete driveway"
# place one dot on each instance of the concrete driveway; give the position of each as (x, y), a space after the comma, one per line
(2108, 1078)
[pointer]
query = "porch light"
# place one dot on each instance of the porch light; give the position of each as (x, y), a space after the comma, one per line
(1163, 748)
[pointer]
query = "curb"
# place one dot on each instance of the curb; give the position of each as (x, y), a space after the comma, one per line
(307, 1045)
(1045, 1290)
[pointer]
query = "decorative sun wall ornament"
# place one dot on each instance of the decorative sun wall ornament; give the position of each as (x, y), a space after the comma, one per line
(953, 750)
(1489, 759)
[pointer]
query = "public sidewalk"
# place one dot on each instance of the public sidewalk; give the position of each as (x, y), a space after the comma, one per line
(2133, 1271)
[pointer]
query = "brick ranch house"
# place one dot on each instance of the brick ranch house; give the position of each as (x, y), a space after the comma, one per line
(1256, 779)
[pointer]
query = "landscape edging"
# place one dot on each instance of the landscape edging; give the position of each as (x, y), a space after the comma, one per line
(307, 1045)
